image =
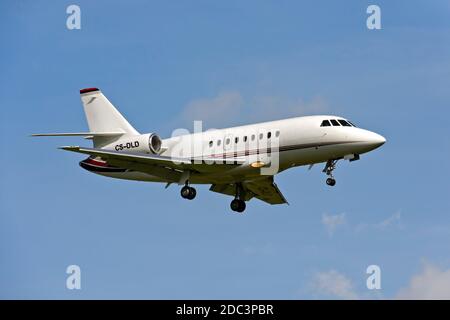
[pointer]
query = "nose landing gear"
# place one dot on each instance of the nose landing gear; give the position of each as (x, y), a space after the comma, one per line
(329, 167)
(331, 182)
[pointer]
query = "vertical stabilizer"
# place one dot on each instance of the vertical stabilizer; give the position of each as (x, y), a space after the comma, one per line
(102, 116)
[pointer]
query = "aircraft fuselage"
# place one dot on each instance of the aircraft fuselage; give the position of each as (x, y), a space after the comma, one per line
(296, 142)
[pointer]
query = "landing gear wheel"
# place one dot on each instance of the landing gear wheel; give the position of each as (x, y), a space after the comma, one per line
(192, 193)
(185, 192)
(329, 168)
(188, 192)
(238, 205)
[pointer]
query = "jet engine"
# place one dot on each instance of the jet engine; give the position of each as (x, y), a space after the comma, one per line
(148, 143)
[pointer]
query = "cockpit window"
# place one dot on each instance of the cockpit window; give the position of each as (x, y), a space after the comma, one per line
(335, 123)
(325, 123)
(344, 123)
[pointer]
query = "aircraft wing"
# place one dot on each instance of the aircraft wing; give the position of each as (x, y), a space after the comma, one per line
(141, 160)
(264, 189)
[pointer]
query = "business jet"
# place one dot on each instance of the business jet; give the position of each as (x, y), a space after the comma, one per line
(240, 161)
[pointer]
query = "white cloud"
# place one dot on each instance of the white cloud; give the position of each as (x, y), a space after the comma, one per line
(274, 107)
(229, 108)
(432, 283)
(332, 222)
(394, 220)
(214, 111)
(333, 284)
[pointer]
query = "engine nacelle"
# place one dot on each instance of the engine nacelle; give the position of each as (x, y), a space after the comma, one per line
(148, 143)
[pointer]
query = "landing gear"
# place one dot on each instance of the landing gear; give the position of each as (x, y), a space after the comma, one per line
(329, 167)
(331, 182)
(238, 204)
(188, 192)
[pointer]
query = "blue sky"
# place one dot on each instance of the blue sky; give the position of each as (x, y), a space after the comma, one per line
(229, 62)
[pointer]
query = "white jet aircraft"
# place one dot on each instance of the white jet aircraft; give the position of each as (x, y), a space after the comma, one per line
(238, 161)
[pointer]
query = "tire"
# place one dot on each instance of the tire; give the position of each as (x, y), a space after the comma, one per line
(192, 193)
(234, 205)
(185, 191)
(237, 205)
(242, 206)
(331, 182)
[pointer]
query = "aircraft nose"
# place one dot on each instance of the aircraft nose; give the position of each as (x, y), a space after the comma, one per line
(376, 140)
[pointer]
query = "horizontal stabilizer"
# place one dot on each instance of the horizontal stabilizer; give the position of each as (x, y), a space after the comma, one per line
(79, 134)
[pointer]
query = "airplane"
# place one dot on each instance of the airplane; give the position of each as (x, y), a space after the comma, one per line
(240, 161)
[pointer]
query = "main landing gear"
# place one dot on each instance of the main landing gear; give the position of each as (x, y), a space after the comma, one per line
(238, 204)
(188, 192)
(329, 167)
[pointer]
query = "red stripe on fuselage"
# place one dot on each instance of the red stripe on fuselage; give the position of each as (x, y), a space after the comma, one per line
(97, 162)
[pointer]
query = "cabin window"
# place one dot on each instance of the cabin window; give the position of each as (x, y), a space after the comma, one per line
(277, 134)
(325, 123)
(344, 123)
(245, 138)
(210, 143)
(261, 136)
(227, 141)
(236, 140)
(253, 137)
(269, 134)
(218, 142)
(335, 123)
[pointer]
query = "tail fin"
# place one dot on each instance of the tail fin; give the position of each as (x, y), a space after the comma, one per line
(102, 116)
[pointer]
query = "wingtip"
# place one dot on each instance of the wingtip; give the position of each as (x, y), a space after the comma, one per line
(37, 135)
(69, 148)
